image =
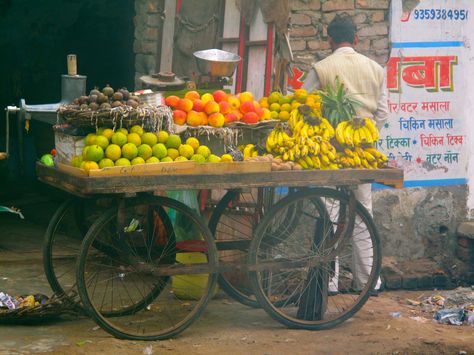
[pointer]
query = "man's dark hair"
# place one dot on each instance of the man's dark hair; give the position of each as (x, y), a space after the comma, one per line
(342, 29)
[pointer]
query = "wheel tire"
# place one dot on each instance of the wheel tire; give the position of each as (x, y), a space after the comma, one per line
(112, 324)
(275, 309)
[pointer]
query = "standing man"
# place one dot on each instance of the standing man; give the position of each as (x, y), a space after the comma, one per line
(363, 78)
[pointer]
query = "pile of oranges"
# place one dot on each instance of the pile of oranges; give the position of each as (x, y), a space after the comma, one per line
(216, 109)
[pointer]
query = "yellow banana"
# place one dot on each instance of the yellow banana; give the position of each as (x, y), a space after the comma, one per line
(351, 161)
(368, 134)
(357, 160)
(370, 124)
(357, 137)
(331, 156)
(348, 152)
(298, 127)
(374, 152)
(254, 153)
(340, 133)
(316, 162)
(368, 156)
(309, 162)
(348, 133)
(280, 139)
(304, 150)
(365, 164)
(303, 164)
(286, 156)
(325, 159)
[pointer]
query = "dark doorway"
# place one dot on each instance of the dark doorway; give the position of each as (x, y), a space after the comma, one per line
(36, 38)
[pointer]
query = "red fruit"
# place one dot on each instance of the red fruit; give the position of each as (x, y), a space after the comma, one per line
(225, 107)
(198, 105)
(219, 95)
(250, 118)
(260, 112)
(211, 107)
(185, 105)
(247, 106)
(192, 95)
(216, 119)
(193, 119)
(230, 117)
(179, 117)
(172, 101)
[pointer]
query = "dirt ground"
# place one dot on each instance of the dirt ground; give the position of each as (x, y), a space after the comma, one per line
(226, 327)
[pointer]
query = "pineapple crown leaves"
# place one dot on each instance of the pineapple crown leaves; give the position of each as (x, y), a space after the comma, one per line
(337, 105)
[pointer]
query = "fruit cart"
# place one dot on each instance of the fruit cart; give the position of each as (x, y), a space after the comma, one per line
(147, 265)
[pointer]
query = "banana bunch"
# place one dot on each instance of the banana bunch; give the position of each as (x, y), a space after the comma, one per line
(368, 158)
(249, 151)
(357, 132)
(278, 141)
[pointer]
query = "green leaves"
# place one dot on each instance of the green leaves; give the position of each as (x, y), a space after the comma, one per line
(337, 105)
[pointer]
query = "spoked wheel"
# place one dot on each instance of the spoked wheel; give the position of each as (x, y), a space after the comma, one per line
(233, 223)
(135, 280)
(323, 268)
(62, 242)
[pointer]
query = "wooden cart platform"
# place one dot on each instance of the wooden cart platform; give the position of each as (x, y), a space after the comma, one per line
(85, 186)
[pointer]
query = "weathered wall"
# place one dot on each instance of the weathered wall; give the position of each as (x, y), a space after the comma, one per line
(148, 23)
(309, 20)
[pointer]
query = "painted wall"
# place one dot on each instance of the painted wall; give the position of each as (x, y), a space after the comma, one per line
(427, 81)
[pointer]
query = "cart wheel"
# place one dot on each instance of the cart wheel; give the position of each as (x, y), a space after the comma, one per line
(235, 218)
(315, 268)
(62, 242)
(119, 269)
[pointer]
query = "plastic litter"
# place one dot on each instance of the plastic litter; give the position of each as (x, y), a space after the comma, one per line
(396, 314)
(453, 316)
(470, 318)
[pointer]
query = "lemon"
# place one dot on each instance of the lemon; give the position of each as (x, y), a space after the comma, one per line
(108, 133)
(274, 97)
(90, 165)
(137, 129)
(122, 162)
(145, 151)
(275, 107)
(95, 153)
(185, 150)
(166, 160)
(84, 152)
(149, 138)
(152, 160)
(285, 99)
(90, 139)
(204, 151)
(173, 153)
(102, 141)
(134, 138)
(106, 162)
(213, 159)
(193, 142)
(284, 115)
(159, 150)
(199, 158)
(226, 157)
(285, 107)
(163, 137)
(274, 115)
(137, 161)
(76, 161)
(113, 152)
(174, 141)
(181, 158)
(129, 151)
(119, 138)
(122, 130)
